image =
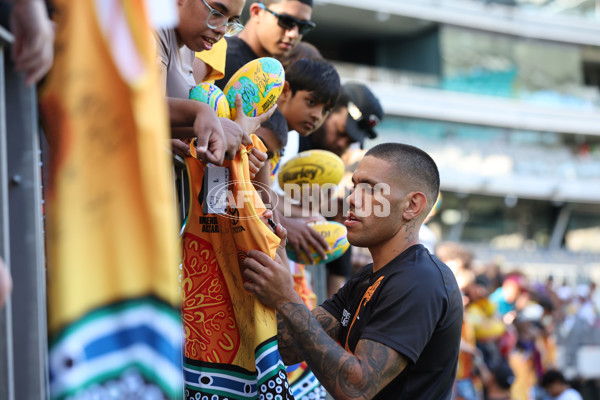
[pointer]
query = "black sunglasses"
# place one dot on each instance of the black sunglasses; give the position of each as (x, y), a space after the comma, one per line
(288, 22)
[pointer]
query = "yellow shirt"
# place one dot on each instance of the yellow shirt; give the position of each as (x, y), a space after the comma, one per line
(215, 59)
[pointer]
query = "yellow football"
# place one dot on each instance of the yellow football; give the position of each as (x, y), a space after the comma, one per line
(260, 83)
(213, 96)
(312, 166)
(336, 236)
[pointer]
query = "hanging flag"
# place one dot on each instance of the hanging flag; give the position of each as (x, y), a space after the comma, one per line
(114, 301)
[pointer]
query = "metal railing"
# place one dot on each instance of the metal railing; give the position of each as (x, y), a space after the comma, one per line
(23, 333)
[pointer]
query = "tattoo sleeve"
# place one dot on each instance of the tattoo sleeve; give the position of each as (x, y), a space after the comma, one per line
(287, 346)
(345, 375)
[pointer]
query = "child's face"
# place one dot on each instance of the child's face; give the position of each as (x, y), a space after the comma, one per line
(303, 114)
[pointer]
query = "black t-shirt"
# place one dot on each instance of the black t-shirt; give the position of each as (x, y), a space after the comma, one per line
(238, 55)
(412, 305)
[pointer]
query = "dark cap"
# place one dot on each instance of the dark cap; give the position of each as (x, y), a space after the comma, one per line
(307, 2)
(503, 374)
(364, 111)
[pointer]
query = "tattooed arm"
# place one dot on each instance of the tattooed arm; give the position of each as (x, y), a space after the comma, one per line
(290, 352)
(345, 375)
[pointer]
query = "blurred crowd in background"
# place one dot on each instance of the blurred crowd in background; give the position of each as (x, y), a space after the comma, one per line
(521, 335)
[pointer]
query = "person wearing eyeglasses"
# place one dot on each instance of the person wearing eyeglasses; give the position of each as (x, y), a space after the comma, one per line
(273, 29)
(202, 23)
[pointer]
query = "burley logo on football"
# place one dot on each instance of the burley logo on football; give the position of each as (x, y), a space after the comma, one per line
(309, 198)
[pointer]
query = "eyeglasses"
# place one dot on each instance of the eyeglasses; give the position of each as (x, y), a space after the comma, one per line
(288, 22)
(216, 20)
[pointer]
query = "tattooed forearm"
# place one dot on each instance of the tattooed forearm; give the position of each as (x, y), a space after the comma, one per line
(287, 346)
(285, 342)
(345, 375)
(329, 324)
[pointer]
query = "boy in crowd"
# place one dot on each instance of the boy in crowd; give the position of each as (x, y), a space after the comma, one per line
(557, 387)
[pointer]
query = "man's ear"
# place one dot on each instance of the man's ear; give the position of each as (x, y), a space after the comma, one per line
(254, 9)
(417, 202)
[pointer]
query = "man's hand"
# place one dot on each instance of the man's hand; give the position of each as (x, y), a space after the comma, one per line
(211, 141)
(33, 49)
(301, 237)
(180, 148)
(234, 137)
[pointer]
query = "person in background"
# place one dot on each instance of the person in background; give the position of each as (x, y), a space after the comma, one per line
(498, 380)
(301, 50)
(557, 387)
(273, 29)
(506, 296)
(352, 120)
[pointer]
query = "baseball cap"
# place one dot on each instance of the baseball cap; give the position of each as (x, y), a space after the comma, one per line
(364, 111)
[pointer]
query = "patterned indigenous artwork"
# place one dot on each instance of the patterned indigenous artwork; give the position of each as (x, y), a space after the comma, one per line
(113, 298)
(213, 96)
(230, 337)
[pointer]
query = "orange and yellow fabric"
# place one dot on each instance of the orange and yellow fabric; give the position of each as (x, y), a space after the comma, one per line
(215, 59)
(230, 337)
(113, 293)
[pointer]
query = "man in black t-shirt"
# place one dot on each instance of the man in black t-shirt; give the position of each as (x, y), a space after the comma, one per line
(393, 331)
(273, 29)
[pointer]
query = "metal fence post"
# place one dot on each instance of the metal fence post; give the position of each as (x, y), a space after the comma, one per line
(6, 378)
(24, 326)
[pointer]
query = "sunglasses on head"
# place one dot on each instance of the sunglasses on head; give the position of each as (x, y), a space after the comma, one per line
(288, 22)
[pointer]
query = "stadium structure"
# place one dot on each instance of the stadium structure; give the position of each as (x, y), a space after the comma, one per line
(505, 95)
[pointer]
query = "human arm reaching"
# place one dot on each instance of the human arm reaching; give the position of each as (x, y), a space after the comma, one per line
(33, 49)
(311, 336)
(301, 236)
